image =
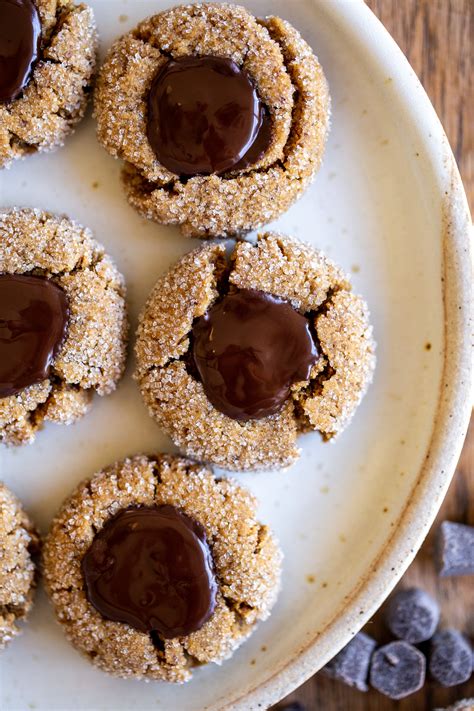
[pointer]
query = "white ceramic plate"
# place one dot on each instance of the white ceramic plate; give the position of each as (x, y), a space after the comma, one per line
(388, 205)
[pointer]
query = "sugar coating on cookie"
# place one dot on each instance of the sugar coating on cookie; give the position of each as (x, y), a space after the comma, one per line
(245, 555)
(92, 356)
(18, 542)
(55, 97)
(288, 269)
(290, 83)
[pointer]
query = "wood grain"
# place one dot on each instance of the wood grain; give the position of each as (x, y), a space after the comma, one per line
(435, 35)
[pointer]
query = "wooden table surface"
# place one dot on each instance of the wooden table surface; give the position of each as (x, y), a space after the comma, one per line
(435, 36)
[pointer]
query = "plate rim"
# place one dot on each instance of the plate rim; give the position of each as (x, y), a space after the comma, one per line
(450, 420)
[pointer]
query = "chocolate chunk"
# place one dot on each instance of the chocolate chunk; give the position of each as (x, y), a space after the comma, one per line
(20, 34)
(205, 116)
(450, 658)
(455, 549)
(397, 670)
(151, 568)
(249, 349)
(412, 615)
(33, 322)
(293, 706)
(351, 665)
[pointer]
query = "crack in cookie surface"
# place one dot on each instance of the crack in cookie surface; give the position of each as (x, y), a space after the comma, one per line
(18, 542)
(92, 357)
(285, 268)
(227, 514)
(56, 96)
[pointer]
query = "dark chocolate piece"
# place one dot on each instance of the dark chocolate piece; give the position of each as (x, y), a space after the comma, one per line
(412, 615)
(33, 322)
(455, 549)
(450, 658)
(151, 568)
(249, 349)
(292, 706)
(351, 665)
(397, 670)
(20, 34)
(205, 116)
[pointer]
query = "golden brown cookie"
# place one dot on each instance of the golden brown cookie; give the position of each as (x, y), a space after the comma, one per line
(245, 562)
(325, 401)
(55, 252)
(38, 113)
(18, 543)
(291, 88)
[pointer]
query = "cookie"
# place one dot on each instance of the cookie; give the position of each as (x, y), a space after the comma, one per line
(236, 357)
(47, 79)
(18, 543)
(155, 567)
(48, 57)
(63, 322)
(221, 118)
(461, 705)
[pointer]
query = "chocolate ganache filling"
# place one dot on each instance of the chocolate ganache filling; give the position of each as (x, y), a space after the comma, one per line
(151, 567)
(249, 349)
(205, 116)
(20, 35)
(34, 316)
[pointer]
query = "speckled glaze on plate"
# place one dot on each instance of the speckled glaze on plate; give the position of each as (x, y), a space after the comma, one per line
(389, 206)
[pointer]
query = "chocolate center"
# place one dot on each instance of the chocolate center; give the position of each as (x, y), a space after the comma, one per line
(20, 34)
(33, 322)
(152, 569)
(249, 349)
(205, 116)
